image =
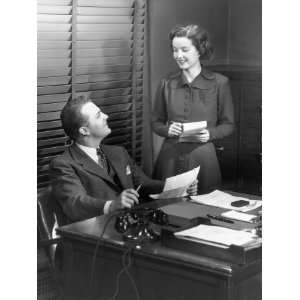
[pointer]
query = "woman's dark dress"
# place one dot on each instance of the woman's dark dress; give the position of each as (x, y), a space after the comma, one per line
(206, 98)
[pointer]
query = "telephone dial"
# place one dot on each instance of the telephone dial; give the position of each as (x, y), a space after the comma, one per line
(135, 224)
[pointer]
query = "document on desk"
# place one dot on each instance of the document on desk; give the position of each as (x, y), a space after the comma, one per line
(176, 186)
(218, 235)
(221, 199)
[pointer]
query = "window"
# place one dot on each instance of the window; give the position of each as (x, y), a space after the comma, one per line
(94, 47)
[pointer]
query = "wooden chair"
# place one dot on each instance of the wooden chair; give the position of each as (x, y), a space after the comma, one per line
(49, 217)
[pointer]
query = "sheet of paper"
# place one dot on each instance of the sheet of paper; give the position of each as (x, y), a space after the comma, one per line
(235, 215)
(222, 199)
(183, 179)
(219, 235)
(193, 128)
(176, 186)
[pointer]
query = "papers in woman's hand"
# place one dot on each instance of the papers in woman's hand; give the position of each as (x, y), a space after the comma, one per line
(224, 200)
(193, 128)
(176, 186)
(190, 130)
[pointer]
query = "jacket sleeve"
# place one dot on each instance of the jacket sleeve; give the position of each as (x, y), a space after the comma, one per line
(70, 193)
(225, 122)
(148, 185)
(159, 113)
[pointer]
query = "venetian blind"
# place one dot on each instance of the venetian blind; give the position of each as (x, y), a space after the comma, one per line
(95, 47)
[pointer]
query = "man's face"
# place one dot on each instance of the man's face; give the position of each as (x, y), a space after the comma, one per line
(185, 53)
(96, 121)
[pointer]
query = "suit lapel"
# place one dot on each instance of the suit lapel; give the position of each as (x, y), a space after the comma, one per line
(116, 162)
(88, 164)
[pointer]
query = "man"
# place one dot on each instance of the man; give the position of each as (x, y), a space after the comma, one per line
(89, 178)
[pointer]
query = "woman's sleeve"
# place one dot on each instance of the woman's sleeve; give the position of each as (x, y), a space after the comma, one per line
(225, 122)
(159, 113)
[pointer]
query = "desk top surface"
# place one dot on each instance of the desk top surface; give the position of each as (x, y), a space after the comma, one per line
(90, 230)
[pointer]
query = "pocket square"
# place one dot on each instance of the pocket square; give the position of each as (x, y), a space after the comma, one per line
(128, 171)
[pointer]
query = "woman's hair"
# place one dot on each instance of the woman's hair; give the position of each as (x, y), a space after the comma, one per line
(197, 35)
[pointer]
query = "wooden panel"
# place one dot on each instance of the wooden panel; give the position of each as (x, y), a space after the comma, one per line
(43, 108)
(45, 45)
(53, 98)
(107, 35)
(52, 62)
(56, 10)
(50, 133)
(48, 116)
(105, 19)
(54, 2)
(112, 100)
(54, 89)
(54, 36)
(103, 69)
(51, 150)
(109, 93)
(105, 3)
(121, 43)
(104, 85)
(116, 108)
(96, 11)
(55, 80)
(104, 52)
(56, 19)
(54, 53)
(103, 77)
(54, 27)
(46, 72)
(104, 27)
(117, 60)
(52, 141)
(48, 125)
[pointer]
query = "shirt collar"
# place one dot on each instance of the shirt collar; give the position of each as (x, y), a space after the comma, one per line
(202, 81)
(90, 151)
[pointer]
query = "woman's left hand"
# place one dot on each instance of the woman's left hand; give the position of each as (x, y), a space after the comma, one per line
(203, 136)
(192, 190)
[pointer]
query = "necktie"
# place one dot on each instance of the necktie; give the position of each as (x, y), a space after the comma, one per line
(102, 161)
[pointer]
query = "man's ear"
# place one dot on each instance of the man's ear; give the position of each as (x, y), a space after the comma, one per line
(84, 131)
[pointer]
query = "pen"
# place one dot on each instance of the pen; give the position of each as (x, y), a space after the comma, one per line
(138, 188)
(219, 218)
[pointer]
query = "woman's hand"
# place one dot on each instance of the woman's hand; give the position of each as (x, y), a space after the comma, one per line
(203, 136)
(175, 129)
(192, 190)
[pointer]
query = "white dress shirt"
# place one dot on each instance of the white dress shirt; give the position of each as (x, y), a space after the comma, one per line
(92, 153)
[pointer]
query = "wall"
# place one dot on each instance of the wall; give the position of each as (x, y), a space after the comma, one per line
(245, 37)
(163, 15)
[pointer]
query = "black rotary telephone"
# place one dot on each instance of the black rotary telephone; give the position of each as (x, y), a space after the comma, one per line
(134, 223)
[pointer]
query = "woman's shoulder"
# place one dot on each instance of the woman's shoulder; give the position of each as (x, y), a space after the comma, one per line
(209, 74)
(171, 76)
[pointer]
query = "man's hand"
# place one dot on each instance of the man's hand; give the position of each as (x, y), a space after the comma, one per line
(192, 190)
(126, 199)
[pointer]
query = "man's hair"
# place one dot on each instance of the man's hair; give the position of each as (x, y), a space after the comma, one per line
(71, 116)
(197, 35)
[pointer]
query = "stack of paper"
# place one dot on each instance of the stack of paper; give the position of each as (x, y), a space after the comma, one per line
(216, 234)
(190, 130)
(224, 200)
(235, 215)
(176, 186)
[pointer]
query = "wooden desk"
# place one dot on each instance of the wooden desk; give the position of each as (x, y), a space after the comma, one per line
(159, 272)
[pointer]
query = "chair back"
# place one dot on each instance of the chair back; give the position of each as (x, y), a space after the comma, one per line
(49, 217)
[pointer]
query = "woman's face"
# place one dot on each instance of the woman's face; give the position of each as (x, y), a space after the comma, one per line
(185, 53)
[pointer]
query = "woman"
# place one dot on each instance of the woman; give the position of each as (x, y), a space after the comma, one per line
(191, 95)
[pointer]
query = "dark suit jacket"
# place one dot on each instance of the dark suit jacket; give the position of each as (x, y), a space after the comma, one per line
(82, 187)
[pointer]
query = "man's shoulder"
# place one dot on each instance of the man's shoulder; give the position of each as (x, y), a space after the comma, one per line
(114, 148)
(64, 158)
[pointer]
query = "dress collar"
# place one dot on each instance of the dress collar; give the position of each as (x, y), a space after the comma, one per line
(202, 81)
